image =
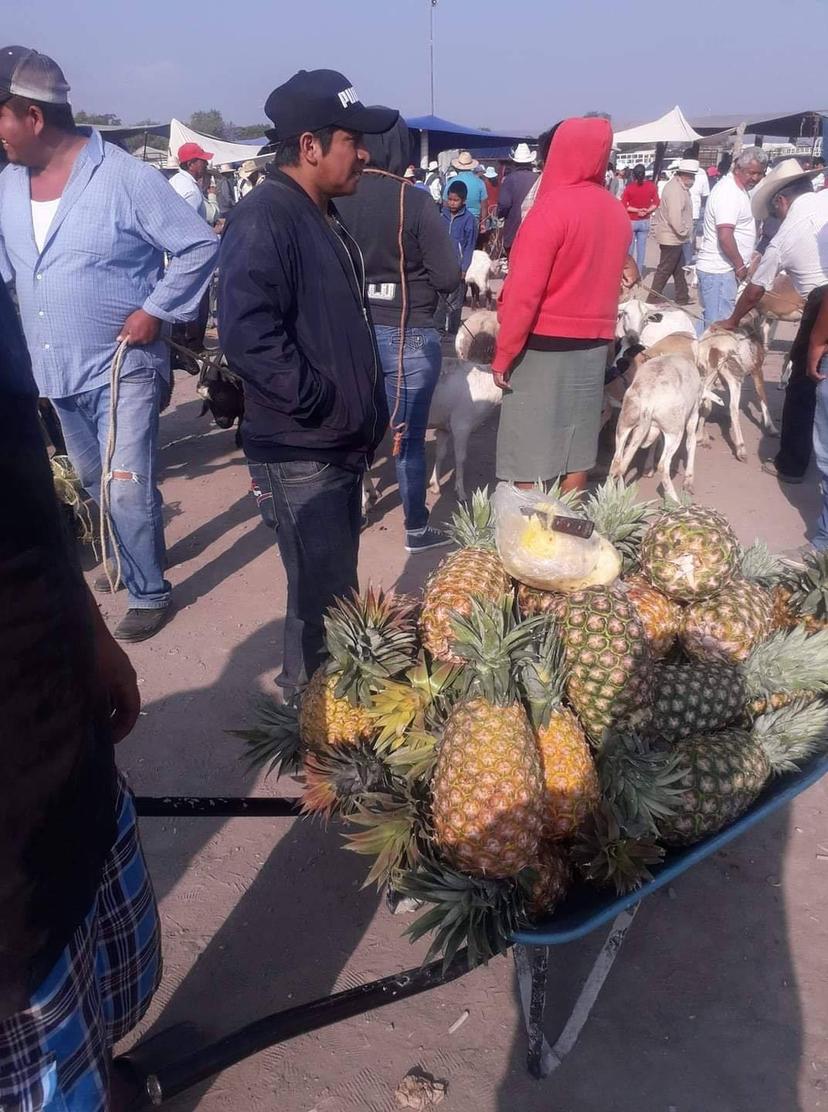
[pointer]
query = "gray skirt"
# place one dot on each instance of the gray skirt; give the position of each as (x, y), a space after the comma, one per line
(550, 417)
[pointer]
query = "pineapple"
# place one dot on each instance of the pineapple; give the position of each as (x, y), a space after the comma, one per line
(660, 616)
(487, 787)
(616, 514)
(728, 626)
(696, 698)
(606, 854)
(607, 658)
(336, 778)
(570, 776)
(532, 601)
(370, 638)
(802, 597)
(724, 773)
(690, 553)
(475, 570)
(551, 882)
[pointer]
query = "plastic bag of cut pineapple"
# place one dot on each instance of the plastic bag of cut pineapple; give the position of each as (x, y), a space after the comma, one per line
(546, 544)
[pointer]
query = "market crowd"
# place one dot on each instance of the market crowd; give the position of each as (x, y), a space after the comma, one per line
(335, 334)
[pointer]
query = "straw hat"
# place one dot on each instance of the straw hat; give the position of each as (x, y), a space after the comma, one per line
(789, 170)
(522, 153)
(464, 161)
(248, 167)
(688, 166)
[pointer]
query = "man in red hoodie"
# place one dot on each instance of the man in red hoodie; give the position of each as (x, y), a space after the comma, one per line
(557, 313)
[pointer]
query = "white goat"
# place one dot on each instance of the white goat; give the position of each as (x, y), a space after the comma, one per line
(642, 323)
(663, 400)
(465, 397)
(478, 280)
(481, 326)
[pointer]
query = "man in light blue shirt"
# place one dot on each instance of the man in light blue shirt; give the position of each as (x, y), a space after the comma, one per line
(84, 228)
(477, 199)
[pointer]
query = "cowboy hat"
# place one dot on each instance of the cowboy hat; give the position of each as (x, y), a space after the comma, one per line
(248, 167)
(688, 166)
(786, 172)
(464, 161)
(522, 153)
(490, 173)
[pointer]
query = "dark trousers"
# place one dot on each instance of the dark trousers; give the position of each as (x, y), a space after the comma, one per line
(450, 311)
(794, 453)
(315, 511)
(671, 265)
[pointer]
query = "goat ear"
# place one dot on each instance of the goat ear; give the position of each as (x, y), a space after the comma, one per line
(655, 318)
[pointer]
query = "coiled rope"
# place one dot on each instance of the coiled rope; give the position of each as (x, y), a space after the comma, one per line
(107, 529)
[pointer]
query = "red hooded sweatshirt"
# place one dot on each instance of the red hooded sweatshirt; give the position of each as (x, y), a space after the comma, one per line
(566, 262)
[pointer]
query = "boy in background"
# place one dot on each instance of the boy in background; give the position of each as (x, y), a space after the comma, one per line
(462, 228)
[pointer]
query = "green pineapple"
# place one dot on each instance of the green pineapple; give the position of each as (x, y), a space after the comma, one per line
(690, 553)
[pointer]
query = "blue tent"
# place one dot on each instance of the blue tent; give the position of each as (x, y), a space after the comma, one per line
(437, 134)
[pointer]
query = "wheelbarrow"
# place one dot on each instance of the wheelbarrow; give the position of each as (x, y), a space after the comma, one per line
(586, 909)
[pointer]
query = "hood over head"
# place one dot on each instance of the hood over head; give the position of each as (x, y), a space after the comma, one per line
(579, 153)
(390, 150)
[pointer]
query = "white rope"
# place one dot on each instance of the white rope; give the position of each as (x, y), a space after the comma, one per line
(106, 527)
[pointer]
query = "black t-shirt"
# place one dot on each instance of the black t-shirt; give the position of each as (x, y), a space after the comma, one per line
(57, 788)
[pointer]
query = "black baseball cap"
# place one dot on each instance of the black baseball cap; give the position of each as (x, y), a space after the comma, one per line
(313, 99)
(25, 73)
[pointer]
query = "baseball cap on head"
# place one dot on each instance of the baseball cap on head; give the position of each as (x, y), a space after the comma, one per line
(188, 151)
(313, 99)
(25, 73)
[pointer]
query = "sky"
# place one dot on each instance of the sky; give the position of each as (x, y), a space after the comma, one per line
(510, 65)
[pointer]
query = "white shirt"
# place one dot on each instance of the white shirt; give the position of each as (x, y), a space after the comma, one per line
(43, 213)
(800, 247)
(187, 187)
(728, 204)
(698, 191)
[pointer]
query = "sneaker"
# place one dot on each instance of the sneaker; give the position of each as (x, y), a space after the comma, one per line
(770, 468)
(420, 540)
(101, 582)
(138, 625)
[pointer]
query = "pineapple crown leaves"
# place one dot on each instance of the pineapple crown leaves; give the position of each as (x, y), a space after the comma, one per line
(616, 512)
(607, 853)
(370, 638)
(638, 782)
(543, 674)
(793, 734)
(760, 565)
(337, 778)
(476, 912)
(275, 741)
(788, 662)
(388, 834)
(413, 703)
(680, 502)
(495, 644)
(810, 586)
(472, 525)
(416, 759)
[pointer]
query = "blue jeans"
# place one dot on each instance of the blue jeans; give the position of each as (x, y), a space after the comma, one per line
(134, 499)
(422, 359)
(638, 244)
(315, 511)
(690, 245)
(717, 293)
(820, 538)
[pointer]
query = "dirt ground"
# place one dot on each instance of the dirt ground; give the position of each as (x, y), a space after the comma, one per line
(717, 1002)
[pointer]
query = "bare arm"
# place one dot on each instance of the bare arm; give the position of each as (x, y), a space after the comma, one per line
(727, 242)
(749, 298)
(818, 344)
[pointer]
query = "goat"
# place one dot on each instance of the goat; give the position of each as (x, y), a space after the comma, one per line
(639, 322)
(478, 280)
(732, 356)
(222, 395)
(476, 336)
(663, 400)
(464, 398)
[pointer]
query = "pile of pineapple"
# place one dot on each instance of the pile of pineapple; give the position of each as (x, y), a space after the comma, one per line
(495, 744)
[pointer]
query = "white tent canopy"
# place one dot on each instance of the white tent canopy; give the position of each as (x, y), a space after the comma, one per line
(670, 128)
(222, 151)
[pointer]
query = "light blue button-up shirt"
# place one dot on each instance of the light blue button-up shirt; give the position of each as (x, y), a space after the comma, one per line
(103, 258)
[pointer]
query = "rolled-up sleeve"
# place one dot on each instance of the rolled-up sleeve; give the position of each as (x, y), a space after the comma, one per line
(167, 221)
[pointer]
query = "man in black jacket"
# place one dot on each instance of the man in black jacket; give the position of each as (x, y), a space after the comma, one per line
(295, 327)
(431, 267)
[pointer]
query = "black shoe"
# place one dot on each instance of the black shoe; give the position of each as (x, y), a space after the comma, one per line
(101, 582)
(420, 540)
(138, 625)
(770, 468)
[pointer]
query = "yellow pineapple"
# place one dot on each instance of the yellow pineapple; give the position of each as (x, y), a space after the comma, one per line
(727, 626)
(531, 601)
(551, 881)
(660, 616)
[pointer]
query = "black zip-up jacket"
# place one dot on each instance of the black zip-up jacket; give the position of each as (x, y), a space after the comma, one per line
(372, 216)
(294, 326)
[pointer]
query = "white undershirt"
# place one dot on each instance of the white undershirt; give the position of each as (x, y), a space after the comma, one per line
(43, 213)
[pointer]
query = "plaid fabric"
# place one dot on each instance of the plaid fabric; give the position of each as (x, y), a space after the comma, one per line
(54, 1057)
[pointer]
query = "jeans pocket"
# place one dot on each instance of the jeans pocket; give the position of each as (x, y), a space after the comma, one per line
(414, 341)
(262, 491)
(296, 471)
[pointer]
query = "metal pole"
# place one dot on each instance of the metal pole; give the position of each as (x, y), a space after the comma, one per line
(432, 6)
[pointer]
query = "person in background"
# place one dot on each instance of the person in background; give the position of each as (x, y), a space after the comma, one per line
(673, 226)
(699, 192)
(434, 181)
(79, 933)
(558, 313)
(640, 200)
(191, 179)
(800, 248)
(728, 236)
(513, 191)
(477, 200)
(618, 183)
(409, 173)
(249, 177)
(372, 216)
(419, 180)
(462, 229)
(225, 190)
(295, 326)
(490, 180)
(819, 178)
(84, 231)
(817, 372)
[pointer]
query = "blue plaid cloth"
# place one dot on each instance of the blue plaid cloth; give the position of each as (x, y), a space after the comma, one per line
(55, 1056)
(102, 259)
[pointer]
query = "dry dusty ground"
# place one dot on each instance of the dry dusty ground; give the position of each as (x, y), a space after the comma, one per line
(717, 1002)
